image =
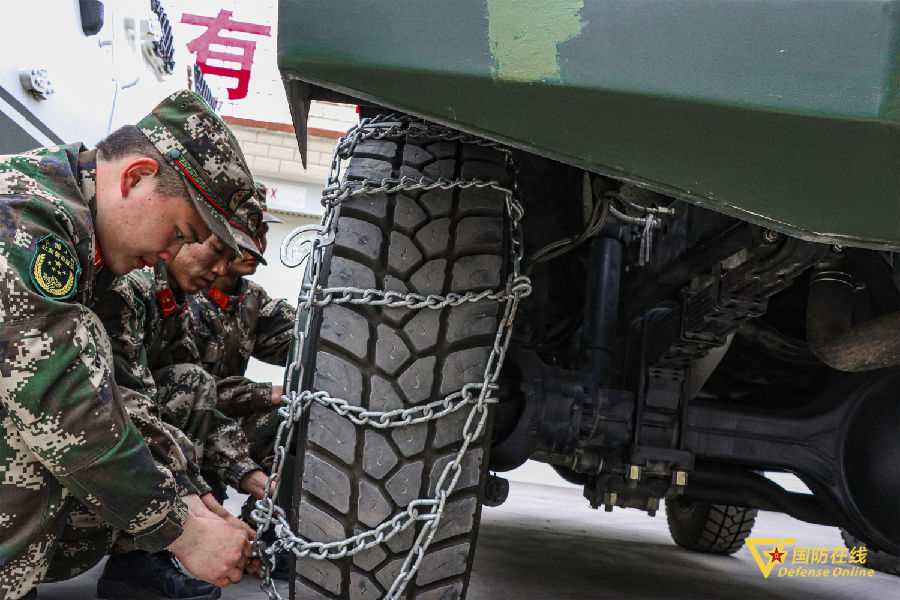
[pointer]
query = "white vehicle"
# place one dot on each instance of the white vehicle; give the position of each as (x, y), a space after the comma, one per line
(74, 70)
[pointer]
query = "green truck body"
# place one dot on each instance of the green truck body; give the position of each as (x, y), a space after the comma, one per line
(779, 112)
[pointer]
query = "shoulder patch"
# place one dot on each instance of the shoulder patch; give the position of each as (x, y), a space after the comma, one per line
(166, 300)
(98, 257)
(54, 268)
(217, 296)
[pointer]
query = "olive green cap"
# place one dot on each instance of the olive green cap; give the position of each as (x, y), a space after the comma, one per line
(244, 223)
(198, 144)
(262, 192)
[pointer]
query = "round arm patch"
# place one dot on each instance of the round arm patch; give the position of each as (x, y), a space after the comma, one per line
(54, 268)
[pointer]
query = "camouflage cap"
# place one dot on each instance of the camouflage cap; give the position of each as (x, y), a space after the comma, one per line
(195, 141)
(244, 223)
(262, 192)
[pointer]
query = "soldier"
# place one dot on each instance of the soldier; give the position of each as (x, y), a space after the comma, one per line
(145, 317)
(74, 470)
(174, 347)
(236, 319)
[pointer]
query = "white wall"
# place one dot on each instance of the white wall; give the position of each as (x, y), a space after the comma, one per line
(280, 282)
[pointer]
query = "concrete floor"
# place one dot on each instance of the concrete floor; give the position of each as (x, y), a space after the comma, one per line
(545, 543)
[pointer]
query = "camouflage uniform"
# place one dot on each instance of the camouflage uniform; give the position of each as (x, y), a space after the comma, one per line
(144, 313)
(154, 353)
(123, 311)
(188, 401)
(232, 327)
(65, 437)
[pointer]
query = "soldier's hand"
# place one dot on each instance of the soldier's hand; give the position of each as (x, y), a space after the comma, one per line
(212, 550)
(196, 506)
(253, 566)
(213, 505)
(254, 483)
(209, 501)
(277, 392)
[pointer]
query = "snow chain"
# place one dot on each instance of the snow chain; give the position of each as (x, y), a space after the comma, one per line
(296, 402)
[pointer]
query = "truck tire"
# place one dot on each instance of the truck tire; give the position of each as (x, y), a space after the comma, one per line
(875, 559)
(707, 527)
(355, 477)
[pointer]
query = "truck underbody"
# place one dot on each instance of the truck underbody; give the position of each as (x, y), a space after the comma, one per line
(686, 356)
(709, 300)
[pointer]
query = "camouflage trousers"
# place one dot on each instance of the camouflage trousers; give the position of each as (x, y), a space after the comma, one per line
(79, 541)
(260, 429)
(186, 395)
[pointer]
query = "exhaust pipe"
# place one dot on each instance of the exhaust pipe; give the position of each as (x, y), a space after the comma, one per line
(874, 344)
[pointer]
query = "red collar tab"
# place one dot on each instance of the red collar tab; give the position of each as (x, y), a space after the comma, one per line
(166, 301)
(218, 296)
(98, 258)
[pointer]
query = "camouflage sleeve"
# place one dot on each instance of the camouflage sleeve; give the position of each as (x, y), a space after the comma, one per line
(187, 397)
(178, 342)
(56, 383)
(227, 452)
(161, 438)
(239, 397)
(203, 330)
(195, 484)
(200, 485)
(122, 310)
(273, 328)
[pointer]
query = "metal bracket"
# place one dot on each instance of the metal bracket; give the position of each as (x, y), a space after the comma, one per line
(293, 252)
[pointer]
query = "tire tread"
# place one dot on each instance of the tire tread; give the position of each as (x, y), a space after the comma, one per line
(430, 242)
(709, 528)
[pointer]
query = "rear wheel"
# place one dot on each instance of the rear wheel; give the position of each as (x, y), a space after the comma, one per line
(356, 477)
(707, 527)
(875, 559)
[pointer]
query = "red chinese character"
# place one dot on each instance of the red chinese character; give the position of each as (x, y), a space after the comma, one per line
(201, 47)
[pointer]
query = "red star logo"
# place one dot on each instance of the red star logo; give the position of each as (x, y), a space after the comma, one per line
(776, 556)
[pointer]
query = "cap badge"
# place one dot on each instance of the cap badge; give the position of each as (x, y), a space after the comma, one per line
(237, 198)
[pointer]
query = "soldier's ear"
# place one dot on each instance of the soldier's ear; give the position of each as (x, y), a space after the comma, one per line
(134, 171)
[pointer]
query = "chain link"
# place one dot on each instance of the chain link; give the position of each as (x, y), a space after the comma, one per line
(394, 418)
(476, 395)
(388, 299)
(334, 195)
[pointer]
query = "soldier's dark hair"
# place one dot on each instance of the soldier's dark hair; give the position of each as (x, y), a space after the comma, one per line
(130, 141)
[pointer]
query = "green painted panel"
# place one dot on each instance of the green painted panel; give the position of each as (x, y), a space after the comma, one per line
(782, 113)
(524, 37)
